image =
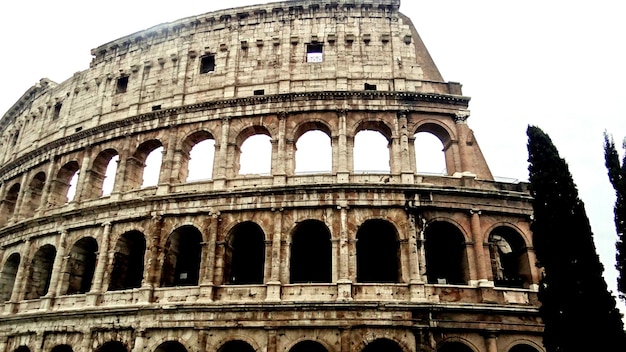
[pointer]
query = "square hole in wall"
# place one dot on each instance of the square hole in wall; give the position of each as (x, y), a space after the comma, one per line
(122, 84)
(207, 63)
(314, 52)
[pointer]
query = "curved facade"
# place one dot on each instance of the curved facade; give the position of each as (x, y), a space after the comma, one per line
(96, 256)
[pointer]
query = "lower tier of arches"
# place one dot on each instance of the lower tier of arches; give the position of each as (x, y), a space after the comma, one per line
(278, 328)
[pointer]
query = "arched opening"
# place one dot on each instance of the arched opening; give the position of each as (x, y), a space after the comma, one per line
(7, 277)
(81, 265)
(62, 348)
(314, 153)
(112, 346)
(382, 345)
(236, 346)
(308, 346)
(22, 349)
(8, 205)
(509, 258)
(256, 155)
(523, 348)
(63, 187)
(429, 154)
(454, 347)
(371, 152)
(446, 259)
(143, 167)
(244, 258)
(128, 261)
(33, 196)
(311, 257)
(152, 169)
(377, 252)
(171, 346)
(40, 272)
(198, 153)
(102, 174)
(181, 262)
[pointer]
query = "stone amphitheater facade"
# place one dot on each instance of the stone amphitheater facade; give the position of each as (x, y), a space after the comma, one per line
(333, 261)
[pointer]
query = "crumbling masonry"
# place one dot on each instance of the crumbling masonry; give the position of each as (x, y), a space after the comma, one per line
(335, 261)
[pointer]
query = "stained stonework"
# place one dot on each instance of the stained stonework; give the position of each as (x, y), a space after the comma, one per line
(336, 261)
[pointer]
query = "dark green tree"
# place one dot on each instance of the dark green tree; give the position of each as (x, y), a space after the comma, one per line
(617, 176)
(577, 309)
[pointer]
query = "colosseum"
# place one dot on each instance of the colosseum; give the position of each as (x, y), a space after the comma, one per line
(97, 256)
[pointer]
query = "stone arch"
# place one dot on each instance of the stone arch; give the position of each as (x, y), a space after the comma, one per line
(382, 345)
(446, 255)
(190, 163)
(181, 257)
(8, 275)
(377, 252)
(311, 253)
(22, 349)
(455, 346)
(40, 272)
(32, 199)
(367, 147)
(445, 135)
(128, 261)
(9, 202)
(81, 265)
(136, 164)
(308, 346)
(171, 346)
(312, 147)
(62, 348)
(62, 184)
(112, 346)
(525, 346)
(236, 346)
(244, 255)
(508, 253)
(262, 155)
(100, 172)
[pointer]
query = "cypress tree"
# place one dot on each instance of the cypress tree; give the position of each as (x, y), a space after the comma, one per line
(617, 176)
(578, 311)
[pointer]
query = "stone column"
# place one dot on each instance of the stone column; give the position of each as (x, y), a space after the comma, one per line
(416, 285)
(167, 165)
(139, 341)
(57, 267)
(125, 156)
(344, 284)
(420, 224)
(45, 194)
(278, 151)
(207, 270)
(82, 176)
(343, 169)
(20, 278)
(491, 342)
(407, 165)
(23, 194)
(274, 282)
(221, 157)
(479, 252)
(103, 255)
(460, 120)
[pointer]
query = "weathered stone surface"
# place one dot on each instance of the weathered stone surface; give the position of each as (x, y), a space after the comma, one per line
(336, 261)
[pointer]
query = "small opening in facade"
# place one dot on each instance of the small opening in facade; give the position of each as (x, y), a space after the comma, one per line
(57, 110)
(78, 129)
(370, 86)
(122, 84)
(314, 52)
(259, 92)
(156, 107)
(207, 64)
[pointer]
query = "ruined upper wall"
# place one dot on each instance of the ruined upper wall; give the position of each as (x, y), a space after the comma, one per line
(276, 48)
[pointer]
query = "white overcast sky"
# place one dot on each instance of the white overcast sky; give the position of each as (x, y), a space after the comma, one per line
(557, 64)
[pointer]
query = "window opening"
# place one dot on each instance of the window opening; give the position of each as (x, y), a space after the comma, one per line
(377, 252)
(128, 261)
(207, 64)
(152, 169)
(156, 107)
(370, 86)
(314, 153)
(57, 111)
(314, 52)
(40, 272)
(245, 255)
(109, 176)
(7, 277)
(256, 155)
(383, 344)
(259, 92)
(71, 191)
(182, 258)
(308, 346)
(171, 346)
(236, 346)
(81, 265)
(311, 259)
(430, 157)
(445, 254)
(371, 152)
(201, 159)
(122, 84)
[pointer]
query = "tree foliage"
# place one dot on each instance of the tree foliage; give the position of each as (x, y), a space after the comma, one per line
(578, 311)
(617, 176)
